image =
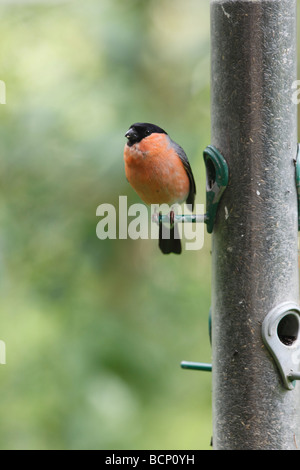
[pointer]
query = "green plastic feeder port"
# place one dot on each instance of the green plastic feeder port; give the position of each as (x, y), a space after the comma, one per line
(217, 176)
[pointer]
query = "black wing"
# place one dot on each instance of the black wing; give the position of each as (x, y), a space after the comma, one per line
(187, 166)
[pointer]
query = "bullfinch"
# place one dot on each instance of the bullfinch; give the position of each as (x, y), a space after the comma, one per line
(159, 171)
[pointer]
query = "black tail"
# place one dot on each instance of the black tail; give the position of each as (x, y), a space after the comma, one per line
(169, 240)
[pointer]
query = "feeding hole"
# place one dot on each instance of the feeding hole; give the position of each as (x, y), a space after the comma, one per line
(288, 329)
(210, 173)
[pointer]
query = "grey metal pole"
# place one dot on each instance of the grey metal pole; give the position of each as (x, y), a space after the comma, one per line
(255, 267)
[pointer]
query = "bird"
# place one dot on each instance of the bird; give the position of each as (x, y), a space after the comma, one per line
(159, 171)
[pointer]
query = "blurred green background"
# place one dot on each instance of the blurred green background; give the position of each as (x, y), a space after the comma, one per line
(95, 330)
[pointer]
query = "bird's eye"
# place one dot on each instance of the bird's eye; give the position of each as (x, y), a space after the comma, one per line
(147, 132)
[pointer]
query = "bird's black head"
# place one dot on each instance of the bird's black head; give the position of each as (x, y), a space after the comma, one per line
(140, 130)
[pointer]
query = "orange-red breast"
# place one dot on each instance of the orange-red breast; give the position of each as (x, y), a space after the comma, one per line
(159, 171)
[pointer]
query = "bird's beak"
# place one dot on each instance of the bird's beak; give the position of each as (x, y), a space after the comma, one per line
(130, 134)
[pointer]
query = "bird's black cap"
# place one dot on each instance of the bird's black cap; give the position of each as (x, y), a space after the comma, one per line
(140, 130)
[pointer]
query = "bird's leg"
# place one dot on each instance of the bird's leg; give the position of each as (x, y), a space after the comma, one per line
(160, 224)
(172, 219)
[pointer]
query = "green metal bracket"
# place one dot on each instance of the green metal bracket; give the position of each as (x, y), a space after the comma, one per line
(196, 366)
(298, 182)
(200, 365)
(217, 177)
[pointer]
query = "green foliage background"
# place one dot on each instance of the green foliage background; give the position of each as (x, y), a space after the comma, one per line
(95, 330)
